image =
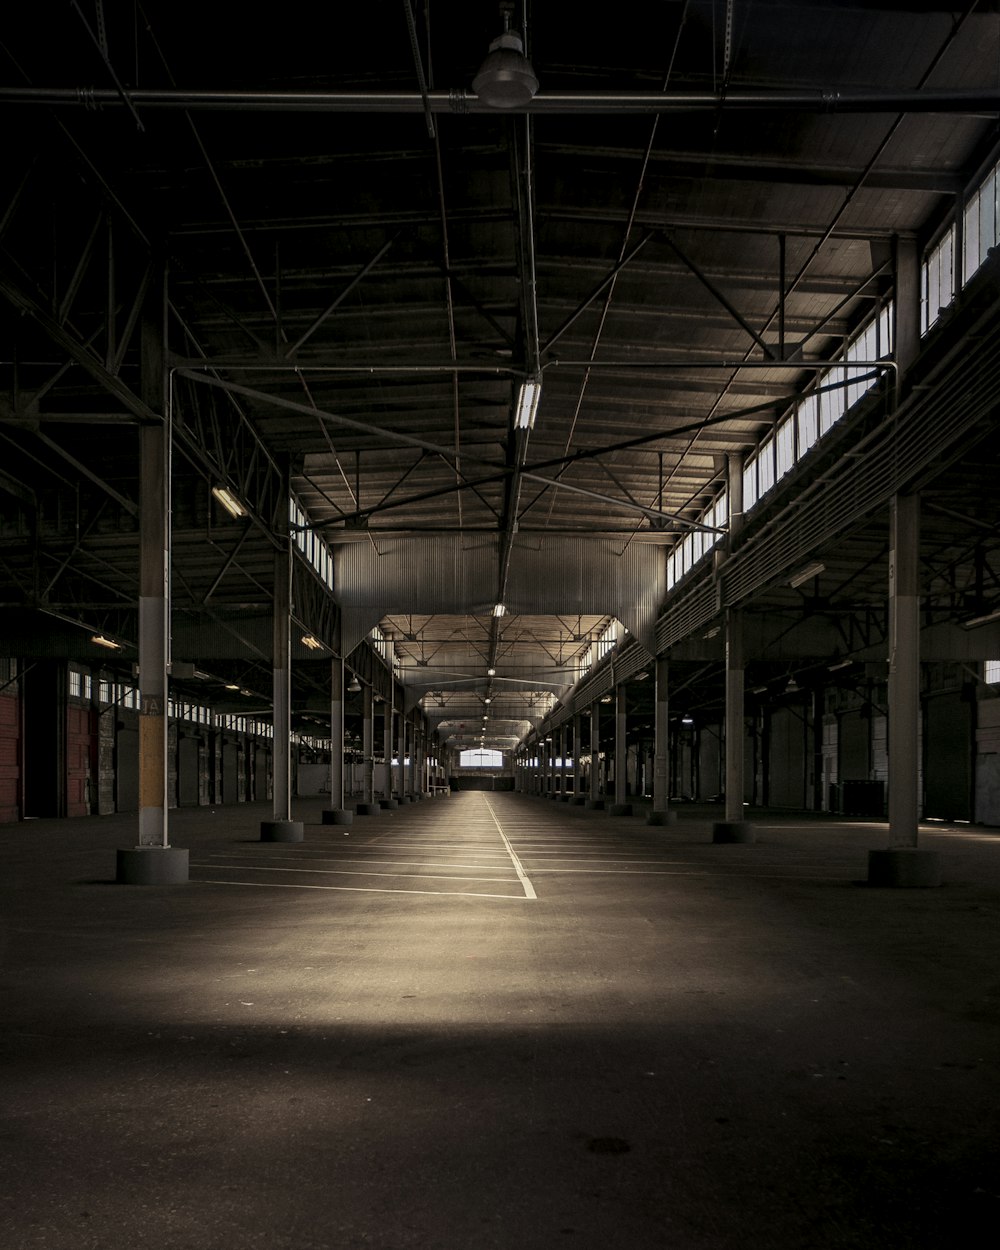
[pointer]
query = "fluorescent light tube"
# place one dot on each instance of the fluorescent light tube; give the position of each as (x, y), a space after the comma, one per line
(527, 403)
(229, 501)
(807, 574)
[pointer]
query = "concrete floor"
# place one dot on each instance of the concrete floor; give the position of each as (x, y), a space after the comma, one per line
(378, 1038)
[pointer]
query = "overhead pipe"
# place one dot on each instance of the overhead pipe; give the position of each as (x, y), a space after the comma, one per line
(978, 101)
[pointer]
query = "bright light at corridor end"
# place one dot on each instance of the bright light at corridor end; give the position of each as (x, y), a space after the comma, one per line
(527, 403)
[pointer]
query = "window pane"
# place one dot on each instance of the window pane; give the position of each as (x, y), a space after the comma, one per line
(785, 446)
(750, 484)
(808, 422)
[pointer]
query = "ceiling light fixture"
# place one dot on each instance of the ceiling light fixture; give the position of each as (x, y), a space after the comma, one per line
(527, 403)
(491, 672)
(355, 685)
(312, 643)
(100, 641)
(498, 609)
(505, 79)
(970, 624)
(229, 501)
(806, 574)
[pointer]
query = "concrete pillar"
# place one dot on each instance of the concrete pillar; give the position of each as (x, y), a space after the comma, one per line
(621, 806)
(661, 813)
(153, 861)
(337, 813)
(734, 828)
(281, 828)
(902, 864)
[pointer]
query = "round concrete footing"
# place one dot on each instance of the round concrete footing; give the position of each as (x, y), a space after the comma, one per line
(668, 817)
(152, 865)
(564, 798)
(388, 805)
(594, 805)
(282, 831)
(337, 816)
(904, 866)
(620, 809)
(733, 831)
(405, 798)
(369, 809)
(578, 800)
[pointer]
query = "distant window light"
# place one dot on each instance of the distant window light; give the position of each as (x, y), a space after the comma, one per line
(991, 672)
(481, 759)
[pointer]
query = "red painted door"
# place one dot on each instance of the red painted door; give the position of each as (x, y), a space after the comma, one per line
(79, 747)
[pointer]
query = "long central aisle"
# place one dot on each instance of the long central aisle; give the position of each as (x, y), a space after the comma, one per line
(489, 1021)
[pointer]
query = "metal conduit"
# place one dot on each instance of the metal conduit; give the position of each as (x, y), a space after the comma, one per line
(978, 101)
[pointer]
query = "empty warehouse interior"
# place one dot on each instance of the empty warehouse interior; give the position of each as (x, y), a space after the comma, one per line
(500, 646)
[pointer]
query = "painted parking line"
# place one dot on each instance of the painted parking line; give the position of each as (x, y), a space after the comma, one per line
(529, 889)
(356, 889)
(350, 872)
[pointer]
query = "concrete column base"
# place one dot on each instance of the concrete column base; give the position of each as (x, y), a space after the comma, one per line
(337, 816)
(152, 865)
(620, 809)
(369, 809)
(282, 831)
(668, 817)
(904, 866)
(594, 805)
(578, 800)
(406, 798)
(388, 805)
(733, 831)
(564, 798)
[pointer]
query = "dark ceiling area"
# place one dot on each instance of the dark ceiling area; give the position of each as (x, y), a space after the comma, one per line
(355, 262)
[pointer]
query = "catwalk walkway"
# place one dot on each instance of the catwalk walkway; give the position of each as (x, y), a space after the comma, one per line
(488, 1020)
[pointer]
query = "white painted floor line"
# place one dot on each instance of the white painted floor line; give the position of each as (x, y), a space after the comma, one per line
(348, 872)
(718, 872)
(356, 889)
(352, 860)
(529, 889)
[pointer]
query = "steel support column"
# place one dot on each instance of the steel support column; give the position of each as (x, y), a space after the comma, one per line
(281, 828)
(577, 727)
(337, 814)
(621, 805)
(562, 763)
(661, 813)
(153, 861)
(596, 787)
(367, 744)
(734, 828)
(388, 722)
(903, 864)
